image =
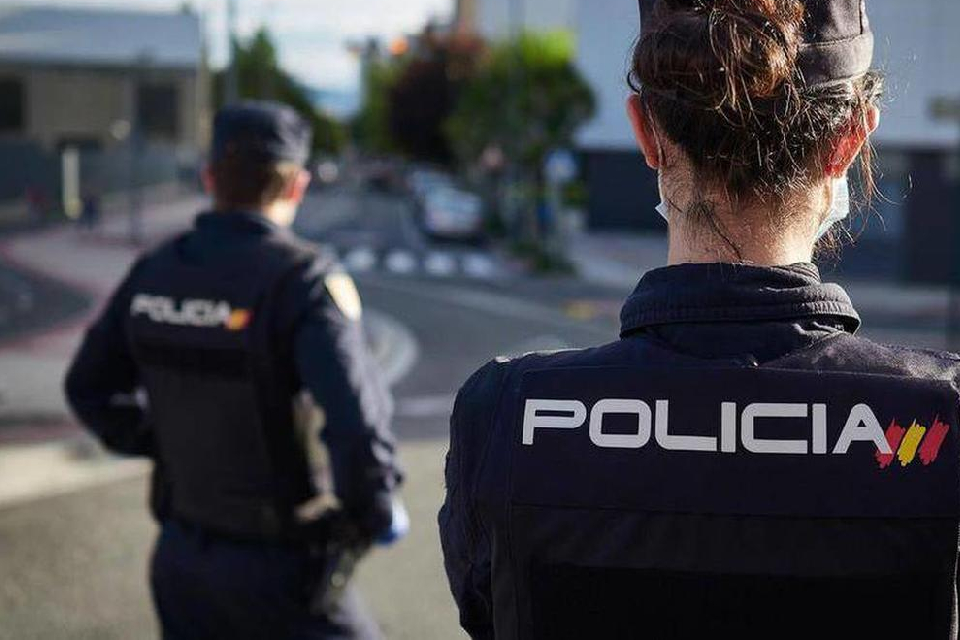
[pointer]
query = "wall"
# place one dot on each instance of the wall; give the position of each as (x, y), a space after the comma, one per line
(86, 103)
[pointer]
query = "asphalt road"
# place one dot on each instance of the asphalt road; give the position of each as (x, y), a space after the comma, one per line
(74, 566)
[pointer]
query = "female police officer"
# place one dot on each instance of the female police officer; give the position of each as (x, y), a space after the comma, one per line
(739, 463)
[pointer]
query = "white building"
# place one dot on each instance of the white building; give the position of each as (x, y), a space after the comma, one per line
(497, 18)
(918, 50)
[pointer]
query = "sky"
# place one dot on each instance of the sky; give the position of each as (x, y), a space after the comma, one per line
(311, 34)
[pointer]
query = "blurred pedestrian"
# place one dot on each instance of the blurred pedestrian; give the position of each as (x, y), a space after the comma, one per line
(739, 464)
(224, 327)
(90, 210)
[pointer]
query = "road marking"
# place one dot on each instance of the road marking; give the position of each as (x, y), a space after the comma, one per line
(396, 348)
(402, 262)
(539, 343)
(479, 265)
(440, 263)
(361, 259)
(421, 407)
(492, 303)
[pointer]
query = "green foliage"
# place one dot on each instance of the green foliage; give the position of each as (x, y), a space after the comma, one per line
(372, 123)
(527, 98)
(260, 77)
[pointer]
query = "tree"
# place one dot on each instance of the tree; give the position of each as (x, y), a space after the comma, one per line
(260, 77)
(371, 126)
(426, 91)
(526, 99)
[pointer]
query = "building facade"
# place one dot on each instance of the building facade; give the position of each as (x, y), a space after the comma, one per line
(99, 81)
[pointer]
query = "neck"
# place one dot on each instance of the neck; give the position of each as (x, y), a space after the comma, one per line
(693, 246)
(280, 214)
(749, 235)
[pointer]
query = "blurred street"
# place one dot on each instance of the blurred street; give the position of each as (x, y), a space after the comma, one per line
(73, 521)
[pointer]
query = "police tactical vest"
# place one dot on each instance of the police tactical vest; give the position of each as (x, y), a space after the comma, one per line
(220, 392)
(691, 499)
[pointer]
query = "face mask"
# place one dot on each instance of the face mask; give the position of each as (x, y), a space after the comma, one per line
(663, 208)
(839, 208)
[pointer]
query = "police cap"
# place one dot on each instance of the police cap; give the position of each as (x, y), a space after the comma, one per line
(261, 131)
(837, 43)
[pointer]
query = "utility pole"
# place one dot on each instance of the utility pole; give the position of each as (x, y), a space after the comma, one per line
(231, 91)
(517, 217)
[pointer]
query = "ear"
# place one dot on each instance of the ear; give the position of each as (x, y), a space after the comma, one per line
(848, 147)
(643, 131)
(206, 177)
(297, 188)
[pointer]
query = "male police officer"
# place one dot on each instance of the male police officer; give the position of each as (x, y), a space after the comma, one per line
(223, 327)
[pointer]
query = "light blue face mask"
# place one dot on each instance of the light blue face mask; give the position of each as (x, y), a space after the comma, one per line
(839, 207)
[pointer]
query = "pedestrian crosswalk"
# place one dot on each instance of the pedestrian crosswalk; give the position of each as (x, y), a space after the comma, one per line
(436, 263)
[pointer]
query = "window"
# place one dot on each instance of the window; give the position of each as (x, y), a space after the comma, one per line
(11, 105)
(157, 112)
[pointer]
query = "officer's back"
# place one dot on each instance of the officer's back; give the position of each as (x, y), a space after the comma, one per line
(739, 464)
(229, 328)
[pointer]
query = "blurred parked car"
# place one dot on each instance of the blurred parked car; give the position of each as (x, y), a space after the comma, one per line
(422, 182)
(453, 214)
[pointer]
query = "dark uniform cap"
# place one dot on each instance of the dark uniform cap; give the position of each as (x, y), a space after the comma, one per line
(262, 131)
(837, 43)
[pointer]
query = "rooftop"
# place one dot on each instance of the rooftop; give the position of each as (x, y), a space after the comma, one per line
(99, 37)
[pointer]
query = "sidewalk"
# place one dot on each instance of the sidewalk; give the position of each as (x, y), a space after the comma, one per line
(618, 260)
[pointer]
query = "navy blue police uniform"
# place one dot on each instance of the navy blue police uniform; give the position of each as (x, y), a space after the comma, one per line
(739, 464)
(229, 329)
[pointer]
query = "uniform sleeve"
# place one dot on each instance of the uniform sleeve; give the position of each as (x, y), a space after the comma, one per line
(101, 382)
(335, 364)
(466, 548)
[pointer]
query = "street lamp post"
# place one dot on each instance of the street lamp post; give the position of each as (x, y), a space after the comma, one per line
(231, 91)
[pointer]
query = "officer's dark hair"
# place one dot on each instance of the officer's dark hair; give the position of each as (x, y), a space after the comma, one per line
(721, 80)
(241, 182)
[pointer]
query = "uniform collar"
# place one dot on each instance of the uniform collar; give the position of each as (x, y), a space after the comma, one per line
(244, 222)
(690, 293)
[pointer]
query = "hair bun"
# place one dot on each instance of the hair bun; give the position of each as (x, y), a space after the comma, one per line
(721, 53)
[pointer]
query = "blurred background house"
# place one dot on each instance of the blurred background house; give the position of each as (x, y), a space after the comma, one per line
(119, 98)
(913, 234)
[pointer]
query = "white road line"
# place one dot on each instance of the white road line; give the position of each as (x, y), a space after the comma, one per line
(421, 407)
(440, 263)
(479, 265)
(396, 348)
(360, 259)
(402, 262)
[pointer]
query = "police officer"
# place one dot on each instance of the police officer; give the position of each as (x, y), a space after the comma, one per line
(227, 329)
(739, 464)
